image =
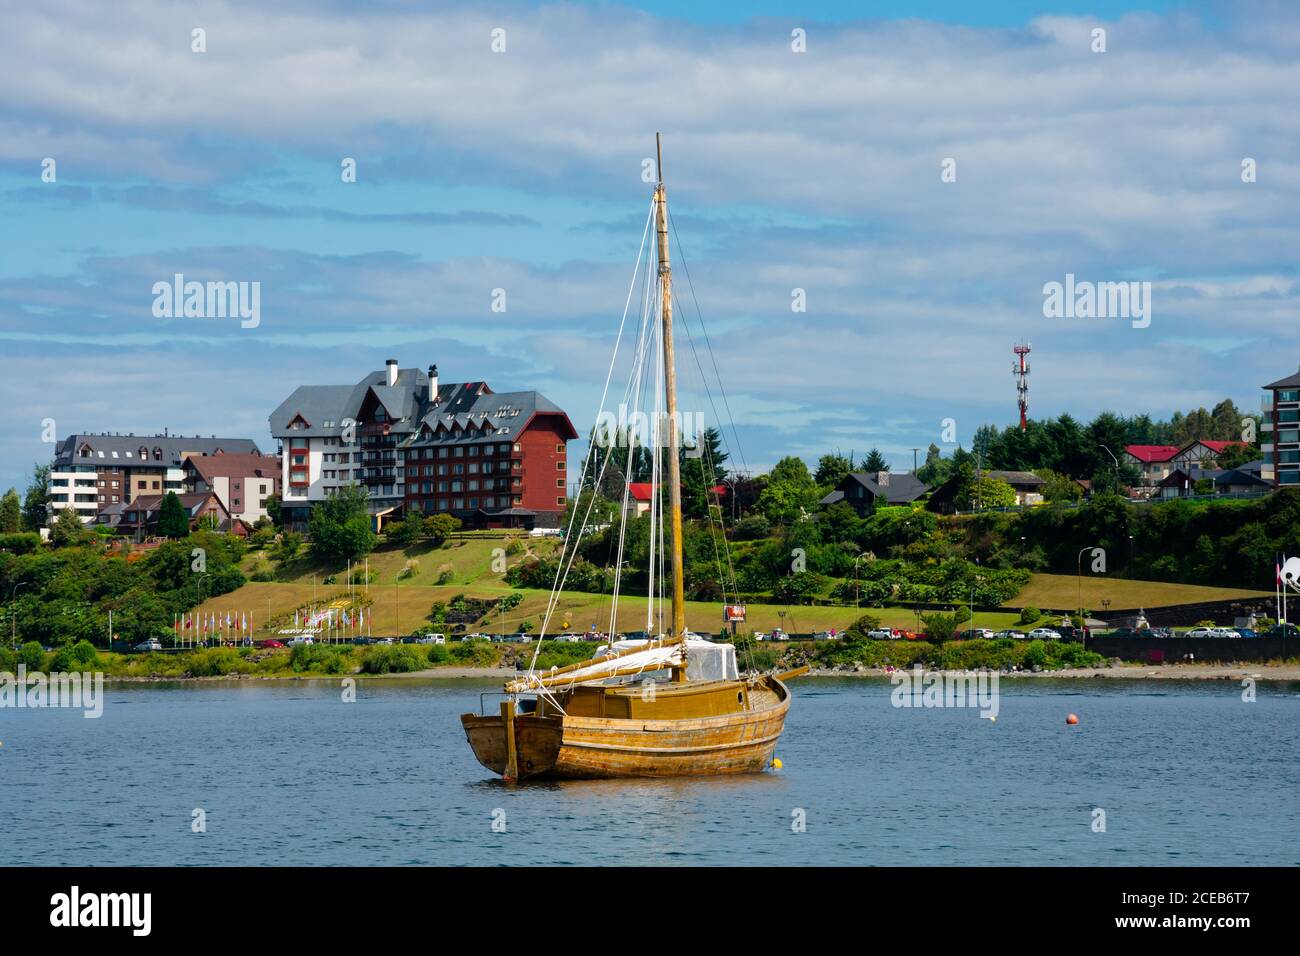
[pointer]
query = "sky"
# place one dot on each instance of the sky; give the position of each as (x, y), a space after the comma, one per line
(828, 169)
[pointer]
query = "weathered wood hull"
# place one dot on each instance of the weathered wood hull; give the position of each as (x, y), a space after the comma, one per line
(580, 747)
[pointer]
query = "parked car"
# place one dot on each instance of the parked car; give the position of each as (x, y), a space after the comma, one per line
(384, 640)
(362, 641)
(824, 635)
(1211, 631)
(301, 640)
(1282, 630)
(778, 635)
(1044, 634)
(1011, 633)
(976, 634)
(569, 638)
(1069, 632)
(1246, 632)
(432, 639)
(151, 644)
(273, 644)
(883, 634)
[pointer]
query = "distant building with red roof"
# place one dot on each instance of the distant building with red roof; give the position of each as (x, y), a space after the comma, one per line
(1158, 462)
(640, 493)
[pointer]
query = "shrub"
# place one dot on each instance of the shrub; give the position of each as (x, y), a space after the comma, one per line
(438, 654)
(32, 654)
(84, 652)
(1029, 615)
(1036, 654)
(62, 661)
(322, 658)
(476, 653)
(393, 659)
(215, 661)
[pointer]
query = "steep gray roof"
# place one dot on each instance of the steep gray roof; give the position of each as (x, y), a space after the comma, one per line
(1291, 381)
(127, 448)
(901, 488)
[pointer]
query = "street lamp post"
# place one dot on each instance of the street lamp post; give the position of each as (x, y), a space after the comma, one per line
(13, 611)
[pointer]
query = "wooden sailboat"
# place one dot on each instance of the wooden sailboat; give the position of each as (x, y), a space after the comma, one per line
(608, 717)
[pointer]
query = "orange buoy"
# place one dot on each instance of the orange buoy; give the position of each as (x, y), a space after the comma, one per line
(1072, 719)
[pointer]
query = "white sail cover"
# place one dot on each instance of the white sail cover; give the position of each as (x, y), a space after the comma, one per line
(704, 661)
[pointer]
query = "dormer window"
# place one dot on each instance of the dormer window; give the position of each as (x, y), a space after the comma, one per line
(143, 453)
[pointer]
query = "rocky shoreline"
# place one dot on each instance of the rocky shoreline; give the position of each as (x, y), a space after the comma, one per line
(1272, 672)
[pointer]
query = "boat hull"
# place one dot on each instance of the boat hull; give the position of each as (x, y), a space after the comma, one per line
(575, 748)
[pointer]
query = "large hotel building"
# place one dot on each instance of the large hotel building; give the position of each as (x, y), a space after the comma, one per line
(91, 472)
(1281, 439)
(492, 459)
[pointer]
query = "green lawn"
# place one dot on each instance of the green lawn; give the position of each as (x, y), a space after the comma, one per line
(1061, 591)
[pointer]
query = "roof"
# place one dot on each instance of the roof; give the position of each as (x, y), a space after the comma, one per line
(1291, 381)
(643, 490)
(1240, 476)
(124, 449)
(495, 416)
(209, 467)
(901, 488)
(1024, 478)
(1215, 446)
(1152, 453)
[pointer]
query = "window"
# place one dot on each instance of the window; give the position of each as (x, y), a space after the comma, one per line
(518, 447)
(1288, 395)
(473, 468)
(459, 452)
(560, 500)
(442, 452)
(559, 449)
(559, 466)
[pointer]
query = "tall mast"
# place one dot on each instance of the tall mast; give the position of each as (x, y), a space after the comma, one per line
(670, 395)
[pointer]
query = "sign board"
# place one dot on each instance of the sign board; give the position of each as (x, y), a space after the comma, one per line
(733, 613)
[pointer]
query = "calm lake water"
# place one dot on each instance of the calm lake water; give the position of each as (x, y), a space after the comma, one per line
(288, 774)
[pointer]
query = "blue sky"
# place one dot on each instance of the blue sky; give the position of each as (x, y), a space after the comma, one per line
(520, 170)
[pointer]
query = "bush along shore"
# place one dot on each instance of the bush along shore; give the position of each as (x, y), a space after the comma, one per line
(482, 658)
(310, 660)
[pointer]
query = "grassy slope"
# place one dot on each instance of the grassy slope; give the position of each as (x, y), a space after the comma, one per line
(399, 604)
(1062, 591)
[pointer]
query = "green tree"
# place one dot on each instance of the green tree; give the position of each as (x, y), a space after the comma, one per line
(440, 527)
(340, 527)
(832, 469)
(173, 522)
(1059, 487)
(702, 470)
(409, 530)
(11, 513)
(875, 461)
(790, 491)
(37, 499)
(68, 529)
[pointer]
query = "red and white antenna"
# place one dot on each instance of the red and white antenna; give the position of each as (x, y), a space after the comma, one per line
(1020, 369)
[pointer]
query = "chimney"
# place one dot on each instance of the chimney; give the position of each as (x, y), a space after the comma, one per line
(433, 384)
(392, 371)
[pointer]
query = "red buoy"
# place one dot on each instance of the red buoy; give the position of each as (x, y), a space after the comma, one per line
(1072, 719)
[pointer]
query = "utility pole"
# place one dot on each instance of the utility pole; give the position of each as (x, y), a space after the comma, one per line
(914, 451)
